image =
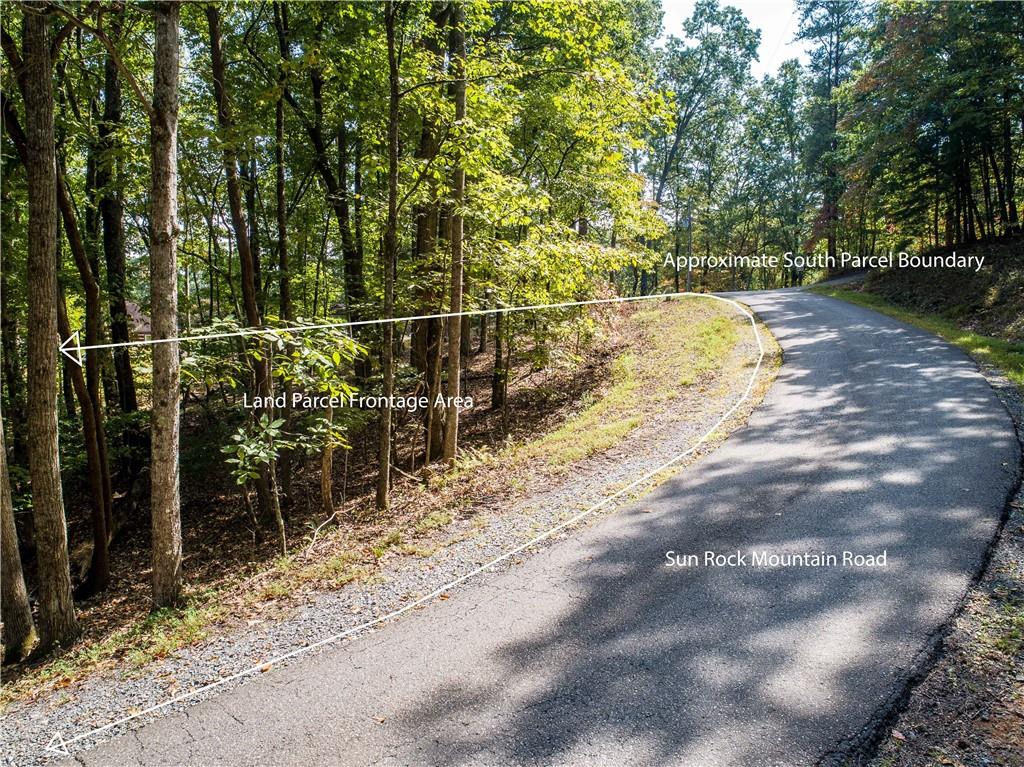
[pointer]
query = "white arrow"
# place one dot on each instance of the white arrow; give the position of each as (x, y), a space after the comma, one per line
(57, 745)
(57, 741)
(68, 347)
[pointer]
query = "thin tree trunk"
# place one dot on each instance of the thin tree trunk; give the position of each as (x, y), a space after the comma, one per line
(389, 254)
(355, 290)
(500, 374)
(57, 622)
(95, 438)
(165, 421)
(285, 297)
(99, 564)
(427, 333)
(67, 391)
(284, 275)
(15, 612)
(267, 484)
(327, 472)
(112, 215)
(451, 427)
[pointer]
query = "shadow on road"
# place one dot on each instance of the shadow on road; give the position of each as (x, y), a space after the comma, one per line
(875, 437)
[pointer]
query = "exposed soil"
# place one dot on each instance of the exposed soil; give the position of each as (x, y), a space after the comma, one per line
(500, 497)
(989, 301)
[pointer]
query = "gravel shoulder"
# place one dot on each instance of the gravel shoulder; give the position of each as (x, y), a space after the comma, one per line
(487, 529)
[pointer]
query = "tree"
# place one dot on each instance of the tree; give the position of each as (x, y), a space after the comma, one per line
(19, 632)
(389, 255)
(57, 621)
(165, 498)
(701, 75)
(831, 26)
(267, 482)
(112, 213)
(451, 429)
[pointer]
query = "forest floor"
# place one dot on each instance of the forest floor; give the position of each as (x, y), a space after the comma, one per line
(967, 710)
(655, 379)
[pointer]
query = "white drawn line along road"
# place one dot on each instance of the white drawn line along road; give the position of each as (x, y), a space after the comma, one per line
(72, 346)
(875, 436)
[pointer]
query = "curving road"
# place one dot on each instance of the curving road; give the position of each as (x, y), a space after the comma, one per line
(874, 437)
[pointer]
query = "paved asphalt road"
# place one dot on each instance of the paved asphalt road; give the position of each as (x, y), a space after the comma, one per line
(874, 437)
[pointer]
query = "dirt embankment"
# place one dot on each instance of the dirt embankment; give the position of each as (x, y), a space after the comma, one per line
(989, 301)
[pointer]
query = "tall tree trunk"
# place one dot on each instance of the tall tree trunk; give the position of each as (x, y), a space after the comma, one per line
(57, 622)
(389, 254)
(267, 484)
(165, 504)
(112, 215)
(1009, 171)
(99, 564)
(284, 274)
(427, 334)
(12, 374)
(451, 427)
(500, 374)
(355, 289)
(15, 611)
(248, 174)
(95, 438)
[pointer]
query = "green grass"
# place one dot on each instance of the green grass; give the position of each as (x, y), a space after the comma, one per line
(1005, 355)
(708, 346)
(170, 629)
(433, 521)
(381, 546)
(157, 636)
(600, 425)
(681, 353)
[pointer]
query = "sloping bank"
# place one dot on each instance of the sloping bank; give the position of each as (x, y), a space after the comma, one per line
(687, 364)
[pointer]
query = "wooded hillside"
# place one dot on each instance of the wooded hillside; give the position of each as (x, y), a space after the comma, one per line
(173, 170)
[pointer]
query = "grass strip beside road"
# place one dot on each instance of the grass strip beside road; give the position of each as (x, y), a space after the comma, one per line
(675, 347)
(1005, 355)
(686, 343)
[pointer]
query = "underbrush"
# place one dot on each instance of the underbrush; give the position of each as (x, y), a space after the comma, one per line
(644, 359)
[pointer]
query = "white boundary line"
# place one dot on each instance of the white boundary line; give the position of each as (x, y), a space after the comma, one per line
(73, 342)
(58, 745)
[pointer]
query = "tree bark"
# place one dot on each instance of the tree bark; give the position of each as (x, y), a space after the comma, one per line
(112, 215)
(57, 622)
(427, 334)
(267, 484)
(99, 564)
(13, 381)
(500, 374)
(355, 289)
(389, 254)
(451, 427)
(15, 611)
(89, 398)
(284, 274)
(165, 421)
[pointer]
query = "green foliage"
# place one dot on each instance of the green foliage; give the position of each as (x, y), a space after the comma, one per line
(257, 444)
